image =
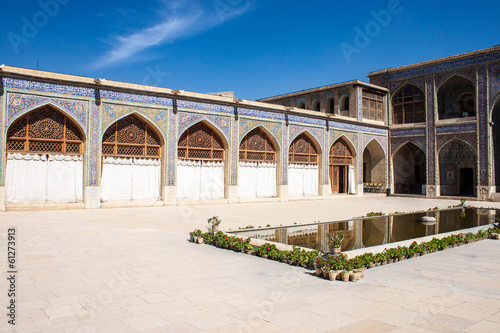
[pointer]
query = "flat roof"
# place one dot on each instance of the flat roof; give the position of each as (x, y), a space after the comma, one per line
(318, 89)
(437, 61)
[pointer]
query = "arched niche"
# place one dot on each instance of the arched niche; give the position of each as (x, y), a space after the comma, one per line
(457, 169)
(409, 167)
(456, 98)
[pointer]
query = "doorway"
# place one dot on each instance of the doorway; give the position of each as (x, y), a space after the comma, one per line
(466, 181)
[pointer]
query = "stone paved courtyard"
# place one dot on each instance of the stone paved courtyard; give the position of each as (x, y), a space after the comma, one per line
(132, 270)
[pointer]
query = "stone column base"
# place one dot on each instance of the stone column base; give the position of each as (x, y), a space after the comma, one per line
(360, 190)
(233, 194)
(169, 195)
(92, 197)
(324, 191)
(484, 192)
(283, 192)
(431, 191)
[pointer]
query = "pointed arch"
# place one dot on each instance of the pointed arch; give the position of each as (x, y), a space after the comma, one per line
(315, 105)
(374, 161)
(55, 107)
(270, 135)
(258, 146)
(211, 126)
(45, 129)
(201, 142)
(341, 158)
(330, 104)
(304, 149)
(403, 144)
(132, 135)
(408, 104)
(301, 105)
(495, 137)
(457, 168)
(409, 168)
(456, 97)
(349, 143)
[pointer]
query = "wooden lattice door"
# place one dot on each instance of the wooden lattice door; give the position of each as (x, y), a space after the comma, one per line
(340, 159)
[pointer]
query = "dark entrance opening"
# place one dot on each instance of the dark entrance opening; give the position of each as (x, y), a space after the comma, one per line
(466, 181)
(342, 179)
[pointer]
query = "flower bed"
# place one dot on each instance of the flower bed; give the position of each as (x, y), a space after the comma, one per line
(331, 267)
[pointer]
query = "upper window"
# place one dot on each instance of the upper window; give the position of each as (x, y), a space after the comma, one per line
(200, 143)
(373, 106)
(256, 147)
(44, 131)
(456, 98)
(315, 105)
(330, 105)
(344, 103)
(409, 105)
(302, 151)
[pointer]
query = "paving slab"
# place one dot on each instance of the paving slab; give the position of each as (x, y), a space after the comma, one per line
(133, 270)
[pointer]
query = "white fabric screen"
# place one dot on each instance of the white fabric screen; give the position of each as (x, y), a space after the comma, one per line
(350, 179)
(197, 180)
(34, 178)
(302, 180)
(257, 180)
(127, 179)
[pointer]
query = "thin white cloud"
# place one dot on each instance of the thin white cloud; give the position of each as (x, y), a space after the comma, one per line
(182, 19)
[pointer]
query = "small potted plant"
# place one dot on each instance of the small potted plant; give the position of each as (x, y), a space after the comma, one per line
(335, 242)
(213, 224)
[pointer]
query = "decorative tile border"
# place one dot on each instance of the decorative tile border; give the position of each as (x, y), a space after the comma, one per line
(136, 98)
(247, 125)
(186, 120)
(360, 159)
(18, 104)
(95, 150)
(417, 141)
(382, 140)
(284, 155)
(172, 147)
(3, 147)
(431, 158)
(317, 133)
(443, 140)
(260, 114)
(48, 87)
(357, 128)
(113, 112)
(494, 79)
(468, 73)
(204, 106)
(408, 132)
(234, 152)
(483, 123)
(349, 136)
(441, 67)
(456, 128)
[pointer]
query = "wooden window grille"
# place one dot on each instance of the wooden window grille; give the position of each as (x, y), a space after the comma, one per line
(201, 143)
(45, 131)
(256, 147)
(409, 105)
(302, 151)
(131, 137)
(340, 154)
(373, 106)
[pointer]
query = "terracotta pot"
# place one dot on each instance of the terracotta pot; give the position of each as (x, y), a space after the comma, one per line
(318, 271)
(390, 261)
(354, 277)
(326, 274)
(337, 251)
(200, 240)
(345, 275)
(333, 275)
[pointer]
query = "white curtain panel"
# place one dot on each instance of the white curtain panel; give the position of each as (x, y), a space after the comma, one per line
(116, 183)
(257, 180)
(34, 178)
(127, 179)
(302, 180)
(310, 180)
(200, 180)
(351, 181)
(26, 178)
(64, 178)
(266, 180)
(247, 179)
(146, 175)
(296, 180)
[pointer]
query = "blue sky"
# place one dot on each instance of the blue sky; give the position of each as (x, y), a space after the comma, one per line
(256, 48)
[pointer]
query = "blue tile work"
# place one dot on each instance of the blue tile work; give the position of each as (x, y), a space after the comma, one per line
(352, 138)
(360, 158)
(18, 104)
(2, 147)
(284, 156)
(358, 128)
(418, 82)
(456, 128)
(382, 140)
(444, 139)
(494, 76)
(298, 100)
(317, 133)
(408, 132)
(360, 104)
(48, 87)
(441, 67)
(329, 95)
(261, 114)
(395, 86)
(483, 123)
(247, 125)
(235, 149)
(205, 106)
(136, 98)
(94, 146)
(187, 120)
(468, 73)
(326, 160)
(431, 158)
(172, 147)
(399, 141)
